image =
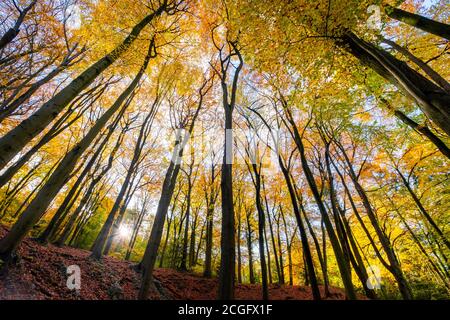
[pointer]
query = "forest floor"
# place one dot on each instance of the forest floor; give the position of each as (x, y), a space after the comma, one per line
(40, 272)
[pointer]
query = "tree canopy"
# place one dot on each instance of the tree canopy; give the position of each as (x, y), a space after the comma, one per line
(292, 142)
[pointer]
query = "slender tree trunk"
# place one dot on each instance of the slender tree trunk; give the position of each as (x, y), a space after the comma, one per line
(428, 25)
(197, 252)
(288, 246)
(269, 263)
(261, 232)
(114, 233)
(151, 251)
(436, 77)
(304, 240)
(318, 250)
(249, 249)
(275, 254)
(325, 259)
(135, 233)
(209, 242)
(210, 201)
(14, 31)
(394, 266)
(280, 250)
(75, 215)
(421, 129)
(166, 239)
(192, 249)
(238, 244)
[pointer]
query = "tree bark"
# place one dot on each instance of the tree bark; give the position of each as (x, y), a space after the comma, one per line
(14, 31)
(421, 129)
(210, 201)
(37, 207)
(394, 266)
(423, 210)
(227, 240)
(120, 204)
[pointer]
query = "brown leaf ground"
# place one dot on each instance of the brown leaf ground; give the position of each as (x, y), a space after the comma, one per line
(40, 273)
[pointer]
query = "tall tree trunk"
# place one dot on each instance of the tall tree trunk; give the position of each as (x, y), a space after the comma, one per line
(209, 242)
(325, 259)
(281, 262)
(269, 263)
(289, 247)
(135, 233)
(238, 244)
(261, 231)
(436, 77)
(210, 202)
(227, 243)
(275, 254)
(192, 248)
(421, 129)
(168, 225)
(186, 226)
(432, 99)
(303, 237)
(227, 239)
(147, 263)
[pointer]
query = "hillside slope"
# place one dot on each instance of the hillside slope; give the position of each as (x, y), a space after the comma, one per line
(41, 273)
